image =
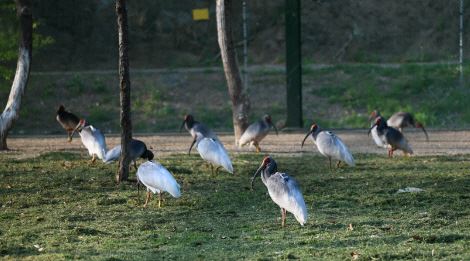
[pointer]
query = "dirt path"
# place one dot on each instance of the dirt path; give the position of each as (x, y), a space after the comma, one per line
(441, 143)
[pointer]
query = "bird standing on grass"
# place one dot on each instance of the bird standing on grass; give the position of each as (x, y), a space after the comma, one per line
(157, 179)
(401, 120)
(330, 145)
(67, 120)
(256, 132)
(392, 137)
(283, 190)
(92, 139)
(212, 151)
(196, 129)
(138, 149)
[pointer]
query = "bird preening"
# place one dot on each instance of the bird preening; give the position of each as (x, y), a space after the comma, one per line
(330, 146)
(283, 190)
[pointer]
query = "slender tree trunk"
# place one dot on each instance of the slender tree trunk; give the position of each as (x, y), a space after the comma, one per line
(125, 86)
(238, 95)
(11, 111)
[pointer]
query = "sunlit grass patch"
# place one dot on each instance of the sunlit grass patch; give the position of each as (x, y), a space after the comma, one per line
(59, 206)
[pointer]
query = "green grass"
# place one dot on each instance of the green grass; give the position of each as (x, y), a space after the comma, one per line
(74, 210)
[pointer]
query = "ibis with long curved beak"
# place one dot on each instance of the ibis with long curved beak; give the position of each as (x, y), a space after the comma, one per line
(402, 120)
(196, 129)
(283, 190)
(157, 179)
(392, 137)
(256, 132)
(330, 145)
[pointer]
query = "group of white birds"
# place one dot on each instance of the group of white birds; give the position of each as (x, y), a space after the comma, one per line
(282, 188)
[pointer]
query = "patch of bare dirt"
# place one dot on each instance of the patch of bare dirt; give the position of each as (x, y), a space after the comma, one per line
(440, 143)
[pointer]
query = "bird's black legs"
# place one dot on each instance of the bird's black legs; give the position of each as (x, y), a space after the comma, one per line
(283, 217)
(338, 165)
(217, 170)
(147, 199)
(330, 162)
(212, 169)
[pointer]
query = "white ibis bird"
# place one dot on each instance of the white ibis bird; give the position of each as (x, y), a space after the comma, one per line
(330, 145)
(392, 137)
(212, 151)
(283, 190)
(157, 179)
(67, 120)
(92, 139)
(401, 120)
(256, 132)
(138, 149)
(196, 128)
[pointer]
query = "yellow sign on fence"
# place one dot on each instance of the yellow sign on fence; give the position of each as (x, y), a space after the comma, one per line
(201, 14)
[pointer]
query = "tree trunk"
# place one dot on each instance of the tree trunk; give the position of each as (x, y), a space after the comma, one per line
(238, 95)
(11, 111)
(125, 90)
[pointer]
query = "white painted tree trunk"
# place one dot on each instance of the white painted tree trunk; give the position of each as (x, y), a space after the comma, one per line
(12, 109)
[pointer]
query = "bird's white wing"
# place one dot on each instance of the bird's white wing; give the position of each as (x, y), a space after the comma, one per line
(213, 151)
(332, 146)
(377, 139)
(157, 178)
(113, 154)
(94, 141)
(285, 192)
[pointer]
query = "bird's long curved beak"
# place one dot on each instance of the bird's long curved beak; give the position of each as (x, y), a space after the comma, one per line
(370, 129)
(275, 129)
(262, 167)
(191, 147)
(81, 123)
(306, 136)
(419, 125)
(182, 125)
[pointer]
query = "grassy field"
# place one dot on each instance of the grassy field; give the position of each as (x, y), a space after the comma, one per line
(58, 206)
(340, 96)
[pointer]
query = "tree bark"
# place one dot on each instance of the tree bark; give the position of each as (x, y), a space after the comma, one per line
(11, 111)
(238, 95)
(125, 92)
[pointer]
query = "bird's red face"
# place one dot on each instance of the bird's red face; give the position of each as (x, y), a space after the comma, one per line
(378, 121)
(266, 160)
(313, 128)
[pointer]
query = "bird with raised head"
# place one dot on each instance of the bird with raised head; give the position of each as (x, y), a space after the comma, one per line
(283, 190)
(392, 137)
(330, 145)
(67, 120)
